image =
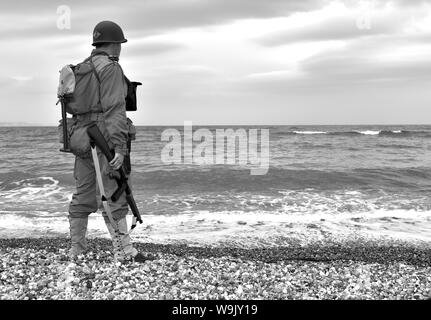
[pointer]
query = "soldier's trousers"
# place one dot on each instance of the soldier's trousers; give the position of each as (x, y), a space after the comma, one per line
(86, 198)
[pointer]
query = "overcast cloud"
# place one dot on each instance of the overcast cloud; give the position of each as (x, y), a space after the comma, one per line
(231, 61)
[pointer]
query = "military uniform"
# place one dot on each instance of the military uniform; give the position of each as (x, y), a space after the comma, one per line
(109, 111)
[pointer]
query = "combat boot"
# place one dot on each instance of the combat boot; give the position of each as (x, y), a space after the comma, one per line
(123, 248)
(78, 231)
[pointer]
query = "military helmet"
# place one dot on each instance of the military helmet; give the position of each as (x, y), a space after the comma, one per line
(108, 32)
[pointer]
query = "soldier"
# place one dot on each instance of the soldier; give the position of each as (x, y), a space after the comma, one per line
(107, 107)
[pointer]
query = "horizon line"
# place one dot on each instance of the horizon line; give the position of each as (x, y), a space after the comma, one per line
(28, 125)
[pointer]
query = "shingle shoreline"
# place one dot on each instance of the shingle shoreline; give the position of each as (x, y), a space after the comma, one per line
(41, 269)
(366, 251)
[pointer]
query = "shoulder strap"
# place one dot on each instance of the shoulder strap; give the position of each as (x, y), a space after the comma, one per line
(93, 68)
(95, 71)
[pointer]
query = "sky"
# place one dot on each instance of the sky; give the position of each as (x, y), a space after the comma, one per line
(227, 62)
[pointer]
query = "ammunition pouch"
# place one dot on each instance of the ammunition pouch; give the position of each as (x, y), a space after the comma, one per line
(79, 141)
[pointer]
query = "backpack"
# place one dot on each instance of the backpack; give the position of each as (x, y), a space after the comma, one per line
(79, 88)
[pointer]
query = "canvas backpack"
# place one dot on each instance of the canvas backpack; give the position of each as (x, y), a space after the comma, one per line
(79, 87)
(81, 92)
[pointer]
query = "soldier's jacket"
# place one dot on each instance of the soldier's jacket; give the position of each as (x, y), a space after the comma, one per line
(113, 90)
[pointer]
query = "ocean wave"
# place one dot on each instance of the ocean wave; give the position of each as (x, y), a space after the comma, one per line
(224, 178)
(34, 190)
(290, 202)
(394, 133)
(345, 133)
(309, 132)
(398, 146)
(218, 179)
(369, 132)
(239, 228)
(405, 133)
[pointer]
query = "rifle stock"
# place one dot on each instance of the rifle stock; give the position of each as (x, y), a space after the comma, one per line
(97, 138)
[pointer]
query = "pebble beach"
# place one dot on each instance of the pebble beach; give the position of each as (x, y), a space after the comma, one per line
(39, 268)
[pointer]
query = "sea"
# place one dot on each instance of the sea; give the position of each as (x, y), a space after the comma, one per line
(323, 183)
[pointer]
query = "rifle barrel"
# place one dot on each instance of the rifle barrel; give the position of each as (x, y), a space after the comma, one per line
(65, 132)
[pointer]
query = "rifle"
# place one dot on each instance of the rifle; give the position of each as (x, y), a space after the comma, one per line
(97, 139)
(64, 117)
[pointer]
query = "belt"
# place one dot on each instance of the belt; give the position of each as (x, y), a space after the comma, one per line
(91, 116)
